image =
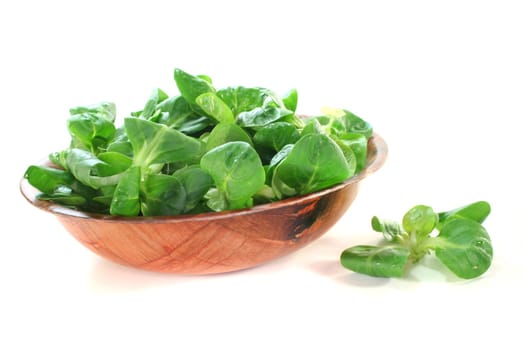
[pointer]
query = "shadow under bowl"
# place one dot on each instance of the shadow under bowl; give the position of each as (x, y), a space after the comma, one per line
(213, 242)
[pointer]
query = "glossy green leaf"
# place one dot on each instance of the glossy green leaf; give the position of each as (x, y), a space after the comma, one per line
(60, 186)
(175, 106)
(107, 110)
(126, 198)
(120, 143)
(276, 135)
(205, 77)
(195, 125)
(350, 122)
(259, 116)
(65, 197)
(358, 143)
(242, 99)
(315, 162)
(190, 87)
(292, 118)
(104, 198)
(156, 97)
(214, 107)
(216, 200)
(282, 189)
(226, 132)
(264, 195)
(86, 167)
(162, 195)
(196, 183)
(276, 160)
(90, 130)
(384, 261)
(178, 114)
(477, 211)
(237, 172)
(59, 158)
(47, 179)
(348, 152)
(113, 163)
(313, 126)
(464, 247)
(157, 144)
(389, 228)
(420, 220)
(290, 100)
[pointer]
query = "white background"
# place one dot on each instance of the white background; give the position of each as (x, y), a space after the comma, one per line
(442, 81)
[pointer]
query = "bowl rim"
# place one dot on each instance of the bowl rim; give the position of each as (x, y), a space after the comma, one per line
(378, 151)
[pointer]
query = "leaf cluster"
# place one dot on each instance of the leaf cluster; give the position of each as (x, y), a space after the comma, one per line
(462, 244)
(205, 149)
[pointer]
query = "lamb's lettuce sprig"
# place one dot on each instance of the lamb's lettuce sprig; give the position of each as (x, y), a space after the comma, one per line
(457, 238)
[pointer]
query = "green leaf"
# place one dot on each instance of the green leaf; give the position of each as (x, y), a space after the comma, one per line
(156, 97)
(264, 195)
(205, 77)
(214, 107)
(59, 158)
(237, 172)
(351, 158)
(108, 110)
(477, 211)
(259, 116)
(162, 195)
(175, 106)
(126, 198)
(191, 87)
(276, 160)
(313, 126)
(47, 179)
(105, 197)
(420, 220)
(464, 247)
(157, 144)
(282, 189)
(389, 228)
(196, 183)
(64, 196)
(60, 187)
(178, 114)
(315, 162)
(358, 144)
(225, 132)
(276, 135)
(384, 261)
(86, 167)
(91, 130)
(216, 200)
(350, 122)
(290, 100)
(113, 163)
(120, 143)
(291, 118)
(192, 125)
(241, 99)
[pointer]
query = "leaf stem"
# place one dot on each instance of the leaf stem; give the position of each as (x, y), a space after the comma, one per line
(415, 244)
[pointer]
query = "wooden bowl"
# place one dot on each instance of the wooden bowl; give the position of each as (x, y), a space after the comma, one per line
(213, 242)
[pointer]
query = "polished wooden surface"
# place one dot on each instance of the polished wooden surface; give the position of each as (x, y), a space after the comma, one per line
(215, 242)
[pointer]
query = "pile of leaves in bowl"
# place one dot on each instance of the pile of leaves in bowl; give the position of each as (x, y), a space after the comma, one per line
(204, 150)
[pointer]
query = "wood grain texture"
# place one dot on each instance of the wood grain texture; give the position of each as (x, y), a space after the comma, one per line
(213, 242)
